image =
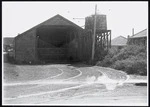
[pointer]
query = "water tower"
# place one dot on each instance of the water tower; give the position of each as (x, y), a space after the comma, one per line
(101, 22)
(102, 35)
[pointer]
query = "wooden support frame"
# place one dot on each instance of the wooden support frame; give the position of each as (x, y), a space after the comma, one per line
(107, 42)
(102, 41)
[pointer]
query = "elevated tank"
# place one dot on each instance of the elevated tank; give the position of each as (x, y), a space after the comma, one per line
(101, 22)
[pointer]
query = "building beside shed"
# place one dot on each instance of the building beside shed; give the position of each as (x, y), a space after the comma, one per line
(8, 49)
(139, 38)
(119, 42)
(7, 44)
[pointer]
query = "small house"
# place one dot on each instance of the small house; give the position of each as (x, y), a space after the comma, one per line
(139, 38)
(7, 44)
(119, 42)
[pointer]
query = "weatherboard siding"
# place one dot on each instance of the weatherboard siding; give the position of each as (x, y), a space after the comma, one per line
(25, 47)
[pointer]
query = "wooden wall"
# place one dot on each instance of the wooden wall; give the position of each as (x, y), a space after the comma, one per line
(85, 48)
(138, 41)
(25, 47)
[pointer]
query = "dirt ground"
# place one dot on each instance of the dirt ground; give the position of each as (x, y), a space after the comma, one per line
(65, 84)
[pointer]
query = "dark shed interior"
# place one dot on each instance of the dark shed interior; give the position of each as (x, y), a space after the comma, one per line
(54, 42)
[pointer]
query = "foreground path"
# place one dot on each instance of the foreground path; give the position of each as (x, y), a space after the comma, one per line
(75, 85)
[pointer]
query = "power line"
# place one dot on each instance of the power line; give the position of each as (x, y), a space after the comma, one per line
(79, 18)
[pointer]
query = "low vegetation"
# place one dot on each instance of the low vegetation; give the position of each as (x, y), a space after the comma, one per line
(132, 59)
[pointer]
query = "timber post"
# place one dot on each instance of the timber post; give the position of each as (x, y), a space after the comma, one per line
(93, 45)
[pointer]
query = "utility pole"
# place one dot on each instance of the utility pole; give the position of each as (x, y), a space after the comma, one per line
(94, 33)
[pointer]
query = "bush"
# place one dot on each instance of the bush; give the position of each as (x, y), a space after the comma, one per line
(128, 51)
(107, 59)
(131, 66)
(131, 59)
(112, 52)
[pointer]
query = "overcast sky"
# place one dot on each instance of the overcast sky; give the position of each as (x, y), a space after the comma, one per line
(18, 17)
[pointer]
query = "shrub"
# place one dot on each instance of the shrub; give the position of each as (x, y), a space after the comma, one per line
(112, 52)
(140, 67)
(125, 65)
(128, 51)
(131, 59)
(132, 65)
(107, 59)
(142, 55)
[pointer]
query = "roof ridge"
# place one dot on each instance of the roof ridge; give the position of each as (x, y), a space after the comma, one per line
(69, 21)
(123, 37)
(36, 26)
(58, 15)
(119, 36)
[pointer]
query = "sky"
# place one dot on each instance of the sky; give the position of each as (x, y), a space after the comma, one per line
(17, 17)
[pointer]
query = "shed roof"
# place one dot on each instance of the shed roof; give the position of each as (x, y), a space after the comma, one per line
(54, 21)
(119, 41)
(8, 40)
(140, 34)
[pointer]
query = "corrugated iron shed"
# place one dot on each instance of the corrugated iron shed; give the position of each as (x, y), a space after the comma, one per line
(30, 46)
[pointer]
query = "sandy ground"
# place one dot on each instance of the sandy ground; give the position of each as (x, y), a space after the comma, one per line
(64, 84)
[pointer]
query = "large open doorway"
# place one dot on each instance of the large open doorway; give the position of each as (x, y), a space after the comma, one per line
(53, 42)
